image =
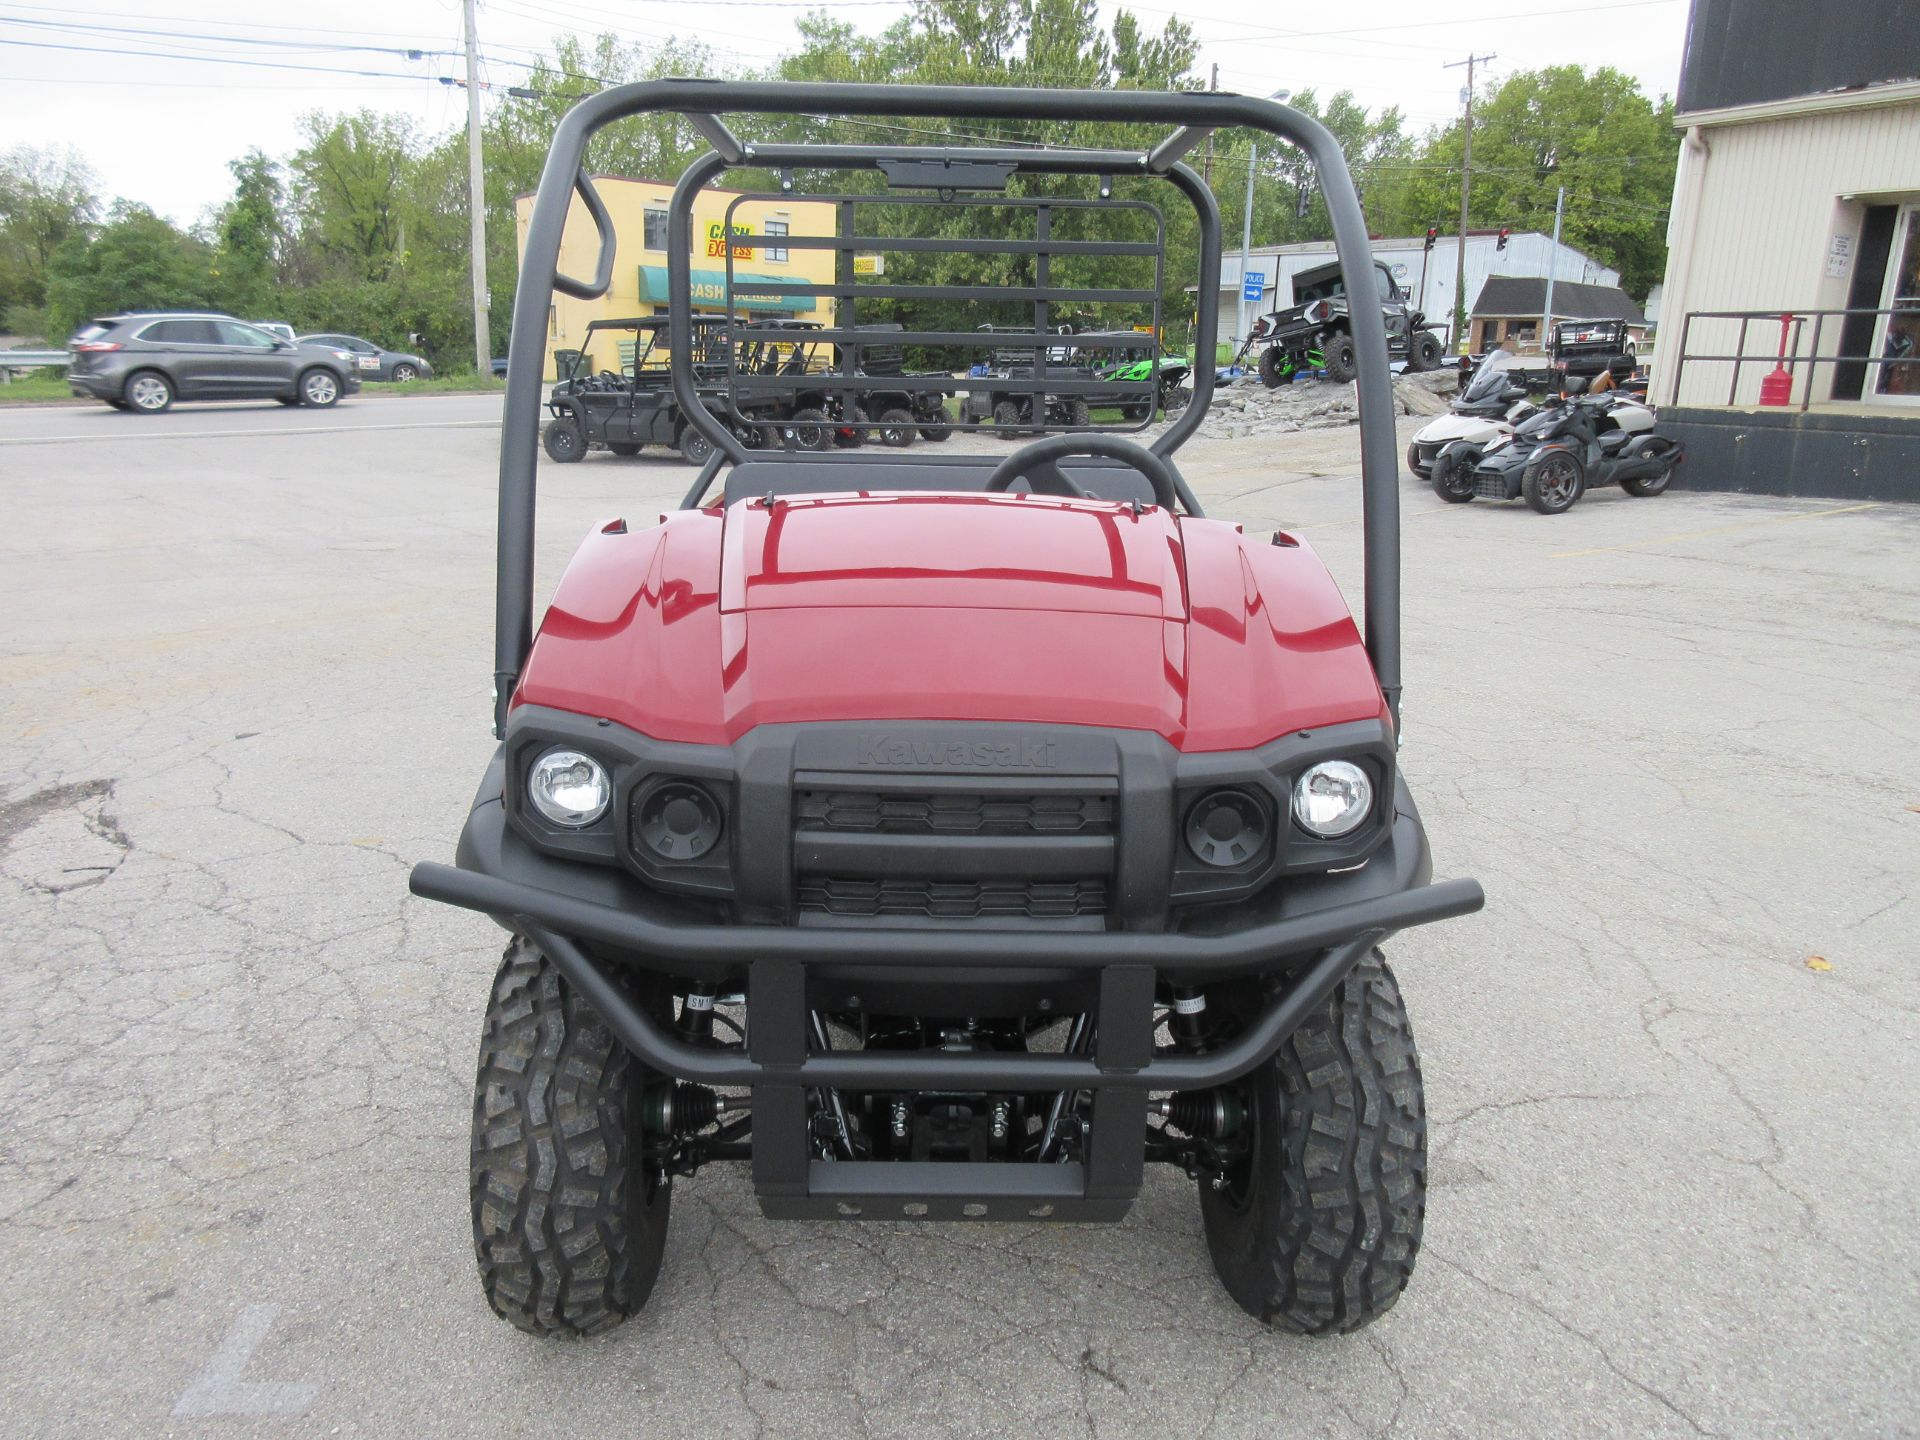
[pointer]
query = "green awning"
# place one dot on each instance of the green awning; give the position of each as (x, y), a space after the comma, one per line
(710, 290)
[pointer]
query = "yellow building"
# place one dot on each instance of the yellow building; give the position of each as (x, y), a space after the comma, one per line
(639, 212)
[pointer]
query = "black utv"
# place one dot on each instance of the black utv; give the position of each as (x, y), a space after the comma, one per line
(628, 402)
(1316, 331)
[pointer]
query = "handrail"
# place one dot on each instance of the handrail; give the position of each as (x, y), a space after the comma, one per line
(1795, 359)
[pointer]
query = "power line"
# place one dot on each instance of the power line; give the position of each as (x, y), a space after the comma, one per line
(211, 60)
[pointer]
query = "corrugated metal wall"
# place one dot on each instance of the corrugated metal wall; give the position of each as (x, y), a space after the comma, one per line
(1770, 203)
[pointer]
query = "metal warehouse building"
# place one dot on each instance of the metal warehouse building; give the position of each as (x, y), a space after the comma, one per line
(1797, 210)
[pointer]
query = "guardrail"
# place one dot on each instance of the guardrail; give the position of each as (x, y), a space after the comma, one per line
(12, 360)
(1801, 358)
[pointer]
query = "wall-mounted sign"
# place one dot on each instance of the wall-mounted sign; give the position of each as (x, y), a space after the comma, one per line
(1839, 256)
(869, 264)
(717, 241)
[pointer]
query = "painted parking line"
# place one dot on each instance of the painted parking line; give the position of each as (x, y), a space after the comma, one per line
(262, 433)
(220, 1390)
(1714, 530)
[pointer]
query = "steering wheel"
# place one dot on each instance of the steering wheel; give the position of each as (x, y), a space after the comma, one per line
(1040, 464)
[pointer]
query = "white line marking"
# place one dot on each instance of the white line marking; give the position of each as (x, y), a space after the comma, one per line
(219, 1390)
(249, 434)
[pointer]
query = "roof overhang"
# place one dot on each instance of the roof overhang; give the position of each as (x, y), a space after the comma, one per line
(1869, 97)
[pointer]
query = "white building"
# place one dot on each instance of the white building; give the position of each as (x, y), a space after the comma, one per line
(1527, 253)
(1798, 194)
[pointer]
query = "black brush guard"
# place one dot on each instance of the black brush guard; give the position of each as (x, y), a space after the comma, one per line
(1314, 952)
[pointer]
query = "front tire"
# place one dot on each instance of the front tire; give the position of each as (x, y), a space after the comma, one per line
(1425, 354)
(896, 428)
(807, 429)
(319, 388)
(694, 447)
(569, 1225)
(1554, 483)
(564, 441)
(403, 373)
(1317, 1227)
(1274, 370)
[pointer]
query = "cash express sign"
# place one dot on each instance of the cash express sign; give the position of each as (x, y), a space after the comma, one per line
(718, 236)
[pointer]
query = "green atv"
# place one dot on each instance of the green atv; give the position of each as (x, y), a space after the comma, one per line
(1142, 361)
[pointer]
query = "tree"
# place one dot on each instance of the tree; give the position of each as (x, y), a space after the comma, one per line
(351, 190)
(250, 231)
(46, 197)
(1591, 131)
(137, 261)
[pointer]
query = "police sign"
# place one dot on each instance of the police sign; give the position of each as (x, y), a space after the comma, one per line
(1253, 285)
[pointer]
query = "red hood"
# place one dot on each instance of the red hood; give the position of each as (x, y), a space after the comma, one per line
(949, 607)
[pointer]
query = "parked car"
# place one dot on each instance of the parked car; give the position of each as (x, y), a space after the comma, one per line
(376, 362)
(145, 362)
(279, 329)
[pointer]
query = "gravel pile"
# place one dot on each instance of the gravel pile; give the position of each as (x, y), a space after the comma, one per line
(1247, 407)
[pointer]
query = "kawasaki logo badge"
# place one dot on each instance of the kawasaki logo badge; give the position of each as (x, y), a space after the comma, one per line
(1022, 754)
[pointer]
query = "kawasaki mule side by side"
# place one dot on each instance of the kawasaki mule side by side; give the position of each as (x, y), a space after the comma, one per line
(947, 837)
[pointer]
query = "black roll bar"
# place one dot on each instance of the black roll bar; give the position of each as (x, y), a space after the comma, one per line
(1190, 111)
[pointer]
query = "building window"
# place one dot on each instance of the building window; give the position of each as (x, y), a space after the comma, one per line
(769, 252)
(654, 229)
(553, 321)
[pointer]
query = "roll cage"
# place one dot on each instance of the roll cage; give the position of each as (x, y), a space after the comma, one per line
(955, 176)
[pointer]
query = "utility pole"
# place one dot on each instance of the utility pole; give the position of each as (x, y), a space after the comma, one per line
(1246, 242)
(1206, 170)
(477, 203)
(1553, 264)
(1466, 181)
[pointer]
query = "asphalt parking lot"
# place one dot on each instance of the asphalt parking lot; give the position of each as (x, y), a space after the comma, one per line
(244, 675)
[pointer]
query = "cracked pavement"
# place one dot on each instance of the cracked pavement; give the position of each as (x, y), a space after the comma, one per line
(244, 684)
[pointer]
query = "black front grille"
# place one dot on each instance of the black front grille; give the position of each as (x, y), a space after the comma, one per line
(951, 899)
(943, 813)
(1490, 484)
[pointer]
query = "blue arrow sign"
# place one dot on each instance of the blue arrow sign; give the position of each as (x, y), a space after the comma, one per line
(1253, 285)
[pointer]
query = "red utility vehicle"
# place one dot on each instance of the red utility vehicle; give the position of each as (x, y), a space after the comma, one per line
(947, 838)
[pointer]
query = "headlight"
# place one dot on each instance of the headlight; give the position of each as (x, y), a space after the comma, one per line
(569, 788)
(1332, 798)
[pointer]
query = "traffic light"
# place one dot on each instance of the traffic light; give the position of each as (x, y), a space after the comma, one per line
(1433, 234)
(1503, 241)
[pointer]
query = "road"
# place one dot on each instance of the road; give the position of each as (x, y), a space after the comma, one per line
(244, 682)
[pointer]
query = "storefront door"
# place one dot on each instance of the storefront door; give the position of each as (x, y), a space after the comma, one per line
(1898, 334)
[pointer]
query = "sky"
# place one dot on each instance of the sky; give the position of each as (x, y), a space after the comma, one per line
(158, 101)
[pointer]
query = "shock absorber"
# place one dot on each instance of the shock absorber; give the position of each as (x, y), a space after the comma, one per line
(1189, 1024)
(1203, 1114)
(696, 1014)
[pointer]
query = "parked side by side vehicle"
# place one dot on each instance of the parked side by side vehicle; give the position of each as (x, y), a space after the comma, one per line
(1583, 348)
(1316, 331)
(376, 362)
(145, 362)
(628, 403)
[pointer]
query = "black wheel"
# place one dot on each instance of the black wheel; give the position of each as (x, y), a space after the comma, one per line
(1338, 359)
(1177, 398)
(319, 388)
(1009, 418)
(1554, 483)
(1413, 461)
(1136, 411)
(569, 1220)
(896, 428)
(1452, 476)
(404, 372)
(624, 449)
(564, 441)
(1273, 369)
(1425, 354)
(807, 429)
(1648, 485)
(1315, 1228)
(1079, 415)
(148, 392)
(936, 433)
(694, 447)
